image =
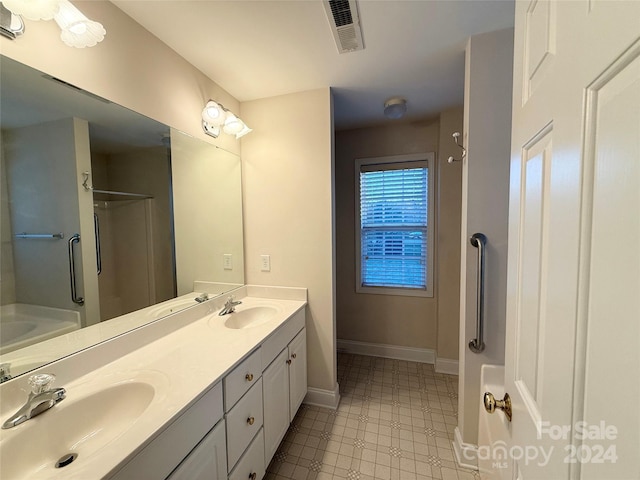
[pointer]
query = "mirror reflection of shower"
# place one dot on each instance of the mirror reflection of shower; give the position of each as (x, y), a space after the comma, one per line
(133, 227)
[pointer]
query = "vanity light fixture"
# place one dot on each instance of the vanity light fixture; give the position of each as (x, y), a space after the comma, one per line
(216, 117)
(77, 30)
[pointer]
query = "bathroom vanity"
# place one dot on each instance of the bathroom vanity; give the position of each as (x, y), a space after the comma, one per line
(199, 396)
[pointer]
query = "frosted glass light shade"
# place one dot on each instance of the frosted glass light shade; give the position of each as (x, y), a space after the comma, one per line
(33, 9)
(232, 125)
(243, 132)
(213, 114)
(395, 108)
(77, 30)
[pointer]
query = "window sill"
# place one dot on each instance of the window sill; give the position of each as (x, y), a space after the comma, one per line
(399, 292)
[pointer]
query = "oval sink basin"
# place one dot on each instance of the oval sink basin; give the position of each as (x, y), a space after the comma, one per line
(80, 427)
(249, 317)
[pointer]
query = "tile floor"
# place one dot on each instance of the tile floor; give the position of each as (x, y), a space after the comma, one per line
(395, 421)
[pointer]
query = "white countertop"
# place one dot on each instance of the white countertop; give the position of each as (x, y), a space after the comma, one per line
(180, 365)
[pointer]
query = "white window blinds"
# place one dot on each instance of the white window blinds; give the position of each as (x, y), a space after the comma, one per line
(393, 224)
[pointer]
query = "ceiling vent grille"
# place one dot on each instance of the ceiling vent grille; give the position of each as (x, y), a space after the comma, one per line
(345, 24)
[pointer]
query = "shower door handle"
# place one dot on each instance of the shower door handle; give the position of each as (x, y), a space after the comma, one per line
(72, 271)
(96, 226)
(479, 241)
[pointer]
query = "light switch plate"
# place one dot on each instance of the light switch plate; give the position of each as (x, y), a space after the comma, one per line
(265, 263)
(227, 261)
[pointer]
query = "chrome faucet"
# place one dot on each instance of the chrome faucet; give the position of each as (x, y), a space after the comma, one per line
(41, 399)
(5, 372)
(229, 307)
(202, 298)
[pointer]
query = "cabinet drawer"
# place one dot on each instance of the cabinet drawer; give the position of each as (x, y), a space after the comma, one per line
(252, 462)
(243, 422)
(241, 379)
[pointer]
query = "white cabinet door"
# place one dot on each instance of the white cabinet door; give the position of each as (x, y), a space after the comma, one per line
(275, 394)
(208, 461)
(297, 372)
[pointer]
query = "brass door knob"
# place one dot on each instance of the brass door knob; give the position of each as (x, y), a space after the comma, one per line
(293, 355)
(289, 362)
(253, 476)
(251, 420)
(490, 404)
(249, 377)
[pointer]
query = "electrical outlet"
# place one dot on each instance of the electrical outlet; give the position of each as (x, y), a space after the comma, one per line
(265, 263)
(227, 261)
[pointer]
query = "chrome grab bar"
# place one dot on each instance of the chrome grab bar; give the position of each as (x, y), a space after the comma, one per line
(479, 241)
(39, 235)
(72, 270)
(96, 226)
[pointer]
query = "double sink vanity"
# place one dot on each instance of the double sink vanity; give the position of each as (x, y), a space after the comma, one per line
(194, 395)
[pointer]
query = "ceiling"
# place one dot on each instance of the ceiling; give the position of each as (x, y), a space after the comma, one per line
(264, 48)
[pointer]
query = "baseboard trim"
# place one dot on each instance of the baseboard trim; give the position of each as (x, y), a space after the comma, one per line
(411, 354)
(446, 365)
(466, 453)
(323, 398)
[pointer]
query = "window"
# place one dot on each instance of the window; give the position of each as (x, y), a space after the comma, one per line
(393, 232)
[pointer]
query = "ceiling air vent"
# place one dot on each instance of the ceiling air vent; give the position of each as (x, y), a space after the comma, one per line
(345, 24)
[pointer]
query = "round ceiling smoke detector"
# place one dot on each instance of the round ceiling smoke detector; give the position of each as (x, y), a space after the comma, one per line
(395, 108)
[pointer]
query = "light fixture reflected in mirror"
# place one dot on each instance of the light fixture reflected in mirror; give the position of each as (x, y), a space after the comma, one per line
(76, 29)
(215, 117)
(33, 9)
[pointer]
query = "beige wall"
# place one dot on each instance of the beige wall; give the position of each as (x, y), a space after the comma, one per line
(131, 67)
(449, 209)
(287, 180)
(387, 319)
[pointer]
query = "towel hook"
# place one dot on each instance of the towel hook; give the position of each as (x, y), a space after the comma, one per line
(85, 184)
(456, 136)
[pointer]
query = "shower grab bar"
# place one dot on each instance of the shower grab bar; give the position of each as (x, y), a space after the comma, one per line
(479, 241)
(96, 226)
(39, 235)
(72, 271)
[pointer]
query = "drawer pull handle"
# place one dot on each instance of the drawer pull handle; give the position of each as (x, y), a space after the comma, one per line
(293, 355)
(289, 362)
(249, 377)
(251, 420)
(253, 476)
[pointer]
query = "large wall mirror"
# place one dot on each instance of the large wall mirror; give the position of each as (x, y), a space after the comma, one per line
(108, 219)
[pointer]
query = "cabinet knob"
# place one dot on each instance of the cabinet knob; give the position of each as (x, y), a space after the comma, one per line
(249, 377)
(289, 362)
(253, 476)
(293, 355)
(251, 420)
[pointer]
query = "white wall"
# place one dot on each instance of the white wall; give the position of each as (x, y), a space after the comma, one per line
(287, 188)
(485, 189)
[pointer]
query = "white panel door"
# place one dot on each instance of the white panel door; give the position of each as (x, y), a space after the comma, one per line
(573, 294)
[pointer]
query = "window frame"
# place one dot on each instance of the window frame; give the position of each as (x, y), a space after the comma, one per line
(429, 158)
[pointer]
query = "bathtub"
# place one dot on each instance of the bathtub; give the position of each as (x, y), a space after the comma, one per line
(493, 429)
(22, 325)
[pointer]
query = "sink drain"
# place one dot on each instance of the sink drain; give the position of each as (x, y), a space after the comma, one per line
(66, 460)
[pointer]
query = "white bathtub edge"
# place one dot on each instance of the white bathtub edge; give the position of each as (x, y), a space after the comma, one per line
(466, 453)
